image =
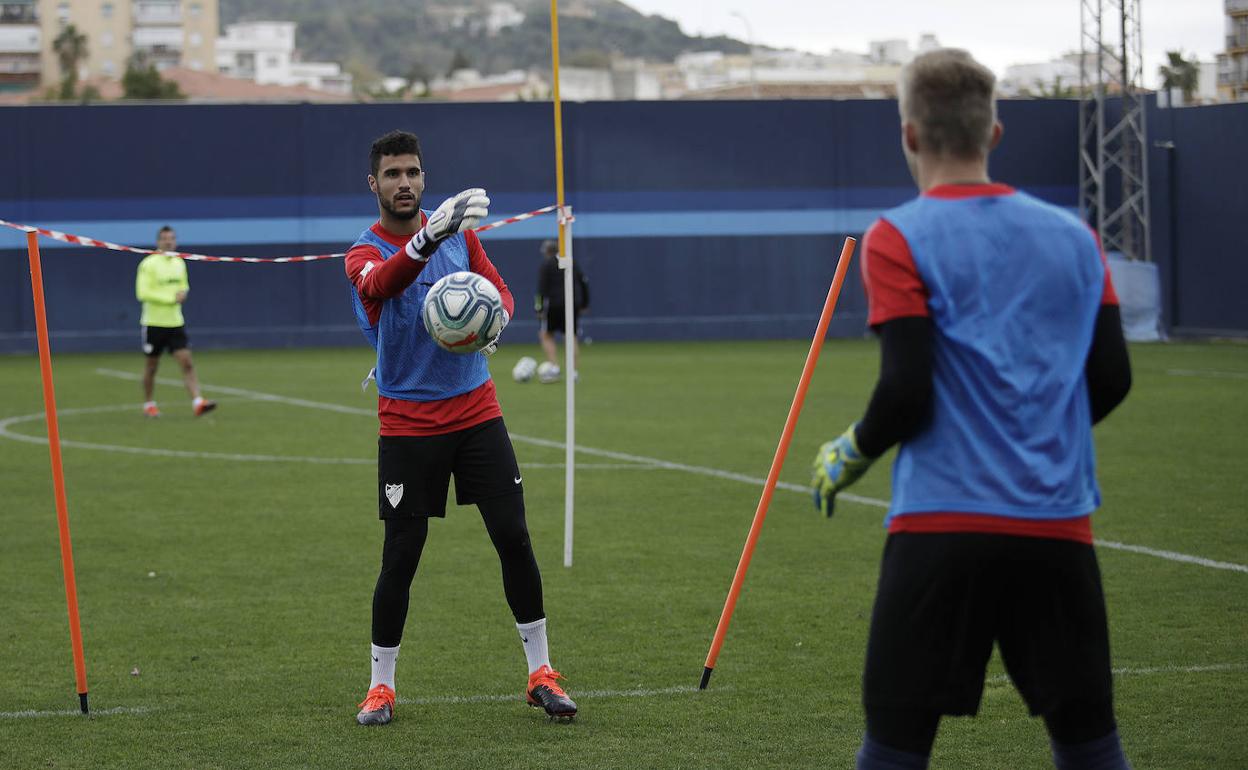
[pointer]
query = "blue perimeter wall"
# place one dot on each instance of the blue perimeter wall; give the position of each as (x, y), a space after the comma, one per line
(694, 220)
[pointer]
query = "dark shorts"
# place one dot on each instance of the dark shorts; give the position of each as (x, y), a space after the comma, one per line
(553, 319)
(158, 339)
(943, 599)
(414, 472)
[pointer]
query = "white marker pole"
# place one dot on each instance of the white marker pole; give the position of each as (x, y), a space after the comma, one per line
(569, 376)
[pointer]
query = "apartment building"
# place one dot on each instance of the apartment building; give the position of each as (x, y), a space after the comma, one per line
(165, 33)
(1233, 63)
(19, 45)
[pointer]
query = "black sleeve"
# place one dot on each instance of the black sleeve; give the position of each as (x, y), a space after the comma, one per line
(582, 301)
(902, 399)
(1108, 368)
(542, 291)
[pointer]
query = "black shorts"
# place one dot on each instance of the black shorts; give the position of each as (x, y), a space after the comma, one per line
(414, 472)
(943, 599)
(158, 339)
(553, 319)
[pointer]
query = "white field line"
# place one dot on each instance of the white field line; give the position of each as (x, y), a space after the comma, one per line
(1214, 668)
(75, 712)
(703, 471)
(1215, 373)
(580, 694)
(1172, 556)
(7, 422)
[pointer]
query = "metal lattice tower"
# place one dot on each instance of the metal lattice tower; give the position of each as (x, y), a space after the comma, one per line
(1113, 163)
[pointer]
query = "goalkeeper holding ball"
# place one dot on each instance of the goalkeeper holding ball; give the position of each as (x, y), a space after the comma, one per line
(439, 417)
(1001, 345)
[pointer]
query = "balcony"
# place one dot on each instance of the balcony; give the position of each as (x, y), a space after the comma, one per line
(1237, 43)
(1237, 6)
(18, 13)
(157, 37)
(19, 65)
(19, 38)
(157, 14)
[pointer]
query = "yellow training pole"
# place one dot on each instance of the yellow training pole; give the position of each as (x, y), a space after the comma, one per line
(58, 474)
(565, 262)
(777, 462)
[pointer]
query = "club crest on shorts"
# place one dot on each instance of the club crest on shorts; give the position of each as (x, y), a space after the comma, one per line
(394, 493)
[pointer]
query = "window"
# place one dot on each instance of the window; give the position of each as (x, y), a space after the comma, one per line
(62, 12)
(106, 10)
(108, 68)
(196, 9)
(272, 61)
(196, 38)
(106, 39)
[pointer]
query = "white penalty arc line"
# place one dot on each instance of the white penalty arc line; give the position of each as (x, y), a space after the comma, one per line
(694, 469)
(1214, 373)
(7, 422)
(32, 714)
(1213, 668)
(586, 694)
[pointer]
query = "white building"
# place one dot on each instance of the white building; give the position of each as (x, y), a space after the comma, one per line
(264, 52)
(1042, 78)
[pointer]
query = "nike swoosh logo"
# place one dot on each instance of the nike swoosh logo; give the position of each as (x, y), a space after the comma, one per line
(524, 638)
(376, 660)
(517, 479)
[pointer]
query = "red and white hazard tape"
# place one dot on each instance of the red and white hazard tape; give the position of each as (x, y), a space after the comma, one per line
(517, 218)
(82, 240)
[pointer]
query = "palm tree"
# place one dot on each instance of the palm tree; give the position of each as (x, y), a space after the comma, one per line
(1180, 73)
(71, 49)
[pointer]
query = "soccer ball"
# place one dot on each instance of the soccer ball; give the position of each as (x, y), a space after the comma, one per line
(524, 369)
(548, 373)
(463, 312)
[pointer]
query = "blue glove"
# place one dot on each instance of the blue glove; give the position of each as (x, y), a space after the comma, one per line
(838, 464)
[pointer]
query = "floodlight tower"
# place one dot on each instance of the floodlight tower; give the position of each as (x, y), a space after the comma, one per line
(1112, 143)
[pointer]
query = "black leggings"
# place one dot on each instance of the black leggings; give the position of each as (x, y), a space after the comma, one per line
(914, 730)
(405, 540)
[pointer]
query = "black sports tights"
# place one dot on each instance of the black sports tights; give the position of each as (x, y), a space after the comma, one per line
(400, 554)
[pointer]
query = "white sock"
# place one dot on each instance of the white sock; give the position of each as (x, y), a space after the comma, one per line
(383, 666)
(149, 404)
(533, 636)
(195, 402)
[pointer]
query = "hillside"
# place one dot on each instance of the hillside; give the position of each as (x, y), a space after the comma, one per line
(422, 38)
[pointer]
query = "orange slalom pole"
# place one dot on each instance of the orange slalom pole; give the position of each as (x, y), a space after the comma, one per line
(58, 473)
(777, 462)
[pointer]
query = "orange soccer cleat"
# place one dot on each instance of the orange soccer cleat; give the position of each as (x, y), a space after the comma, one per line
(378, 706)
(545, 693)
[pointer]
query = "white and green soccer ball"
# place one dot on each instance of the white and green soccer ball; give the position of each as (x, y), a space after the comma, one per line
(463, 312)
(524, 369)
(548, 373)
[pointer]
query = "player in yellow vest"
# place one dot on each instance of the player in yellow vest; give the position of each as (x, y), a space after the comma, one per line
(161, 285)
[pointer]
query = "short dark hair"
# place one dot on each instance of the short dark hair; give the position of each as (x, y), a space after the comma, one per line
(394, 143)
(165, 229)
(550, 248)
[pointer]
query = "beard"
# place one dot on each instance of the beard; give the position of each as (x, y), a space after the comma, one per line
(392, 211)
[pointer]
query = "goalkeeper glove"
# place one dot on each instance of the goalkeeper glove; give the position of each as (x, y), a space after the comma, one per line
(456, 214)
(492, 347)
(838, 464)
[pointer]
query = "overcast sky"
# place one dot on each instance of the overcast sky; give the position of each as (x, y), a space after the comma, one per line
(997, 33)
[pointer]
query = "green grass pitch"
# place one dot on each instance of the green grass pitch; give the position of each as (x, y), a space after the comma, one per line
(225, 580)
